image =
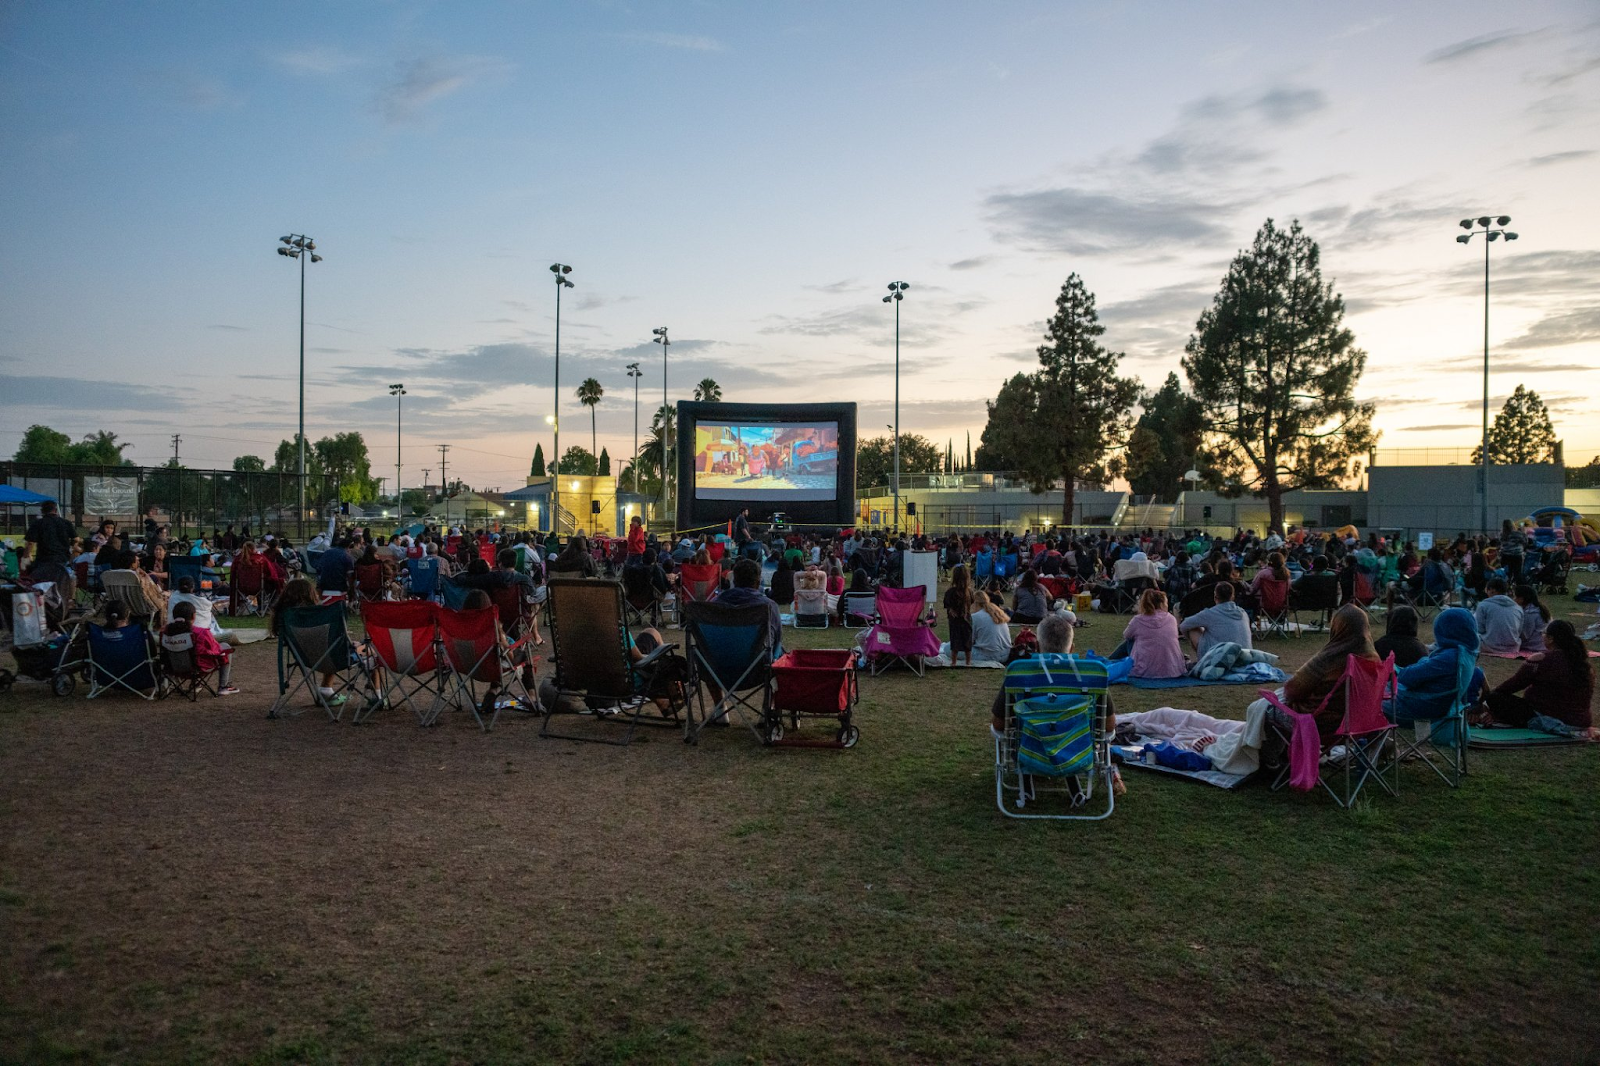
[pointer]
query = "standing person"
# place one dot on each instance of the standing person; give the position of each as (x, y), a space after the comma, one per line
(1513, 546)
(958, 613)
(635, 541)
(49, 542)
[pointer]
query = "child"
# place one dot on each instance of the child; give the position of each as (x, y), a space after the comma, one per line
(208, 654)
(1535, 616)
(958, 613)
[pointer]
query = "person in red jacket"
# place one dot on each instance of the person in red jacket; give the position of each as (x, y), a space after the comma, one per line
(635, 541)
(208, 654)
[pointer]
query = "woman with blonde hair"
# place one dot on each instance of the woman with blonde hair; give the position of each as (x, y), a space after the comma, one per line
(991, 634)
(1151, 639)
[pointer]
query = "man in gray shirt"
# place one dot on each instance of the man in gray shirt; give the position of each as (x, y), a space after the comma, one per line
(1226, 623)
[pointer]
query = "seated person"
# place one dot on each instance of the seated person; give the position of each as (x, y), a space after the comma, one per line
(1428, 687)
(1349, 633)
(335, 567)
(1319, 586)
(1031, 602)
(208, 654)
(575, 559)
(1400, 638)
(1055, 638)
(1558, 683)
(746, 591)
(1224, 623)
(1151, 639)
(1535, 616)
(1499, 620)
(991, 636)
(782, 589)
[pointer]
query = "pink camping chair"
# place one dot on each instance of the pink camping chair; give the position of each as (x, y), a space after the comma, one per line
(1364, 735)
(904, 634)
(403, 636)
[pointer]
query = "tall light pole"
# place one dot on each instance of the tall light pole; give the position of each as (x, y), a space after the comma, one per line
(397, 391)
(660, 338)
(1492, 229)
(299, 246)
(897, 292)
(635, 373)
(560, 270)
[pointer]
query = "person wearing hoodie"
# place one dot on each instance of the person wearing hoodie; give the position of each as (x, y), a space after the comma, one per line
(1428, 687)
(1224, 623)
(1499, 620)
(1400, 638)
(1558, 683)
(1535, 616)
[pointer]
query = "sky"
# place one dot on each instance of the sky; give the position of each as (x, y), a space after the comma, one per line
(752, 176)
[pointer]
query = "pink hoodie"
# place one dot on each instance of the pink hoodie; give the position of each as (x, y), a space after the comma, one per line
(1156, 652)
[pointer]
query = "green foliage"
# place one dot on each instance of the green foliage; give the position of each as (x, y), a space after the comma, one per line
(708, 391)
(1065, 419)
(537, 469)
(578, 461)
(249, 464)
(875, 458)
(605, 463)
(41, 444)
(1521, 433)
(1584, 477)
(343, 457)
(1165, 441)
(415, 501)
(286, 458)
(1276, 370)
(589, 394)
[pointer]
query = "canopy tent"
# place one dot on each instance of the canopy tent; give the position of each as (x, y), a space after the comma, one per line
(10, 494)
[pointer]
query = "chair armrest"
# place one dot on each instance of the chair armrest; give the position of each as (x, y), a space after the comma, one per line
(1271, 696)
(650, 659)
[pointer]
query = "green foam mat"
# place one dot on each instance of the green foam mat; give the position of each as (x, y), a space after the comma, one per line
(1515, 738)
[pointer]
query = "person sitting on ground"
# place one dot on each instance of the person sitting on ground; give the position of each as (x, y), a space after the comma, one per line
(958, 613)
(746, 591)
(1031, 602)
(1224, 623)
(1499, 620)
(1429, 687)
(1558, 682)
(1535, 616)
(1151, 639)
(575, 559)
(1349, 633)
(1400, 637)
(991, 635)
(782, 588)
(208, 654)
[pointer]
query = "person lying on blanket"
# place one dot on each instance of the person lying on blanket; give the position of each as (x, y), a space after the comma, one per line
(1558, 684)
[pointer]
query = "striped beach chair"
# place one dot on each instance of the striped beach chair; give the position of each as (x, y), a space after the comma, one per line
(1057, 737)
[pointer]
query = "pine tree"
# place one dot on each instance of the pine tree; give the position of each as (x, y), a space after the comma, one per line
(968, 464)
(1275, 370)
(1521, 433)
(1165, 441)
(537, 469)
(605, 463)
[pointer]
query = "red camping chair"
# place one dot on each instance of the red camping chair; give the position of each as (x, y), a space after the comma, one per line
(821, 683)
(1059, 588)
(903, 634)
(1272, 615)
(716, 549)
(513, 611)
(697, 584)
(404, 638)
(480, 658)
(251, 589)
(370, 586)
(1364, 732)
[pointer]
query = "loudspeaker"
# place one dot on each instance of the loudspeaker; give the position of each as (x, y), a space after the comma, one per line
(911, 508)
(594, 506)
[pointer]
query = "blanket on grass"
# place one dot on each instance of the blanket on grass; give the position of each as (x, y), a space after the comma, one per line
(1504, 737)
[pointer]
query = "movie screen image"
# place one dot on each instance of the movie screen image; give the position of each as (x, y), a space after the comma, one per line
(787, 461)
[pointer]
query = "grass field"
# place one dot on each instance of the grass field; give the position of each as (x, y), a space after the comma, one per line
(196, 884)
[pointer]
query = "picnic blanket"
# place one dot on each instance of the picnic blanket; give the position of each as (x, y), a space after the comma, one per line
(1525, 654)
(1504, 737)
(1178, 727)
(1255, 674)
(1129, 755)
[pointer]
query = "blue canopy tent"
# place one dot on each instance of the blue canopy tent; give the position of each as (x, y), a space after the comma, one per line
(10, 494)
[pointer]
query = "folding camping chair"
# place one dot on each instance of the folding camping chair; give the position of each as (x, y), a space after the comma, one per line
(1058, 715)
(124, 587)
(983, 567)
(513, 610)
(424, 577)
(370, 585)
(1361, 745)
(590, 643)
(1440, 743)
(181, 665)
(314, 641)
(206, 579)
(404, 639)
(859, 609)
(640, 600)
(251, 589)
(124, 659)
(1319, 603)
(811, 608)
(903, 633)
(1272, 613)
(730, 664)
(479, 653)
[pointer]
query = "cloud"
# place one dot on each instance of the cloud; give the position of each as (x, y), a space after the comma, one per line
(197, 91)
(872, 324)
(1560, 157)
(1559, 329)
(315, 60)
(836, 288)
(1214, 132)
(85, 394)
(684, 41)
(1474, 45)
(227, 327)
(973, 263)
(1437, 428)
(420, 82)
(1079, 221)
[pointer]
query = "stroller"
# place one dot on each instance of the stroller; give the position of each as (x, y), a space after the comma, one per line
(1553, 572)
(42, 653)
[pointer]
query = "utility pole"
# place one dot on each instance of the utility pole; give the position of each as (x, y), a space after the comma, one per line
(444, 483)
(176, 440)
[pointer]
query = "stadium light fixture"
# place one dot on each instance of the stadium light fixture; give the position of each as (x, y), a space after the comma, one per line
(897, 292)
(1490, 235)
(291, 246)
(635, 373)
(397, 391)
(659, 336)
(560, 270)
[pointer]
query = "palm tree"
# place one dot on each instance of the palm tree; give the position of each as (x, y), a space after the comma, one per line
(708, 391)
(589, 394)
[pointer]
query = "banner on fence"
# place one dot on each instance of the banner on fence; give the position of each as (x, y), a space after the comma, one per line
(110, 495)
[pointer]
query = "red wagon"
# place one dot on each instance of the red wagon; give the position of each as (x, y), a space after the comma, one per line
(817, 683)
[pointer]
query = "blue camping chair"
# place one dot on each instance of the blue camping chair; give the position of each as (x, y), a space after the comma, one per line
(123, 658)
(454, 595)
(983, 567)
(1005, 566)
(730, 666)
(1058, 715)
(206, 579)
(424, 577)
(314, 641)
